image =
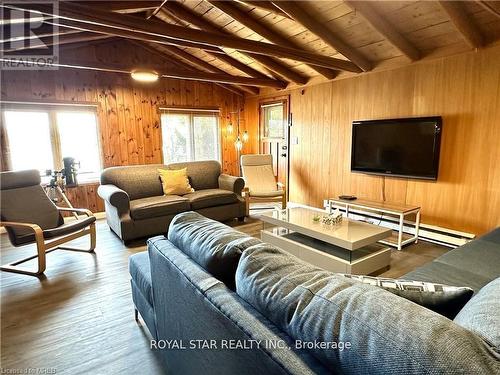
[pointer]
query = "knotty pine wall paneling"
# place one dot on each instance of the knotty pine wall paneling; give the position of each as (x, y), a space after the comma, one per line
(463, 89)
(127, 111)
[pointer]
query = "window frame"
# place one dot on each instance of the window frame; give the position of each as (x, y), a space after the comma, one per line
(55, 140)
(192, 113)
(272, 103)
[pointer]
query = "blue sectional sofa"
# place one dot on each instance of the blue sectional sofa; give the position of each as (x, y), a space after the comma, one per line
(220, 302)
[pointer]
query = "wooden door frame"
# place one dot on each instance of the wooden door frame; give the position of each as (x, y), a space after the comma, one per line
(285, 99)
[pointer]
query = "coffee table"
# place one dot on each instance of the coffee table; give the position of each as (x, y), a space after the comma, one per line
(350, 247)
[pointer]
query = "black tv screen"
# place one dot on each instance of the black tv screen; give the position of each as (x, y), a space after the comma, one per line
(407, 147)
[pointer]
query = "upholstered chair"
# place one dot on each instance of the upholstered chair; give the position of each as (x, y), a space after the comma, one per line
(29, 216)
(260, 183)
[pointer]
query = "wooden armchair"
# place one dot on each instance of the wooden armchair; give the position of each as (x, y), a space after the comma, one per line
(260, 183)
(29, 216)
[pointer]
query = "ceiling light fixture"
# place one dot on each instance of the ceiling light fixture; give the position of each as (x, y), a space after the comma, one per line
(143, 75)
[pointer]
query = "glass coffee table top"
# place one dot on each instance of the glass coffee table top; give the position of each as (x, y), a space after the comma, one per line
(350, 234)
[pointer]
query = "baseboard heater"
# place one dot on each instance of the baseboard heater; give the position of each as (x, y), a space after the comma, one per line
(430, 233)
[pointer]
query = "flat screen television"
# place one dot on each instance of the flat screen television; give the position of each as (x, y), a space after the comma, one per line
(405, 147)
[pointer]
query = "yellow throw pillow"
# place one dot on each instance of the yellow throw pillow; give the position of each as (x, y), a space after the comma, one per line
(175, 181)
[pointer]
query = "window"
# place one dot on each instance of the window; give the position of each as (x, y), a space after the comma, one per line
(189, 136)
(273, 117)
(40, 139)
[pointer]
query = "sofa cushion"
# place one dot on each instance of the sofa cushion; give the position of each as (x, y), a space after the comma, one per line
(202, 174)
(482, 314)
(161, 205)
(140, 271)
(443, 273)
(192, 304)
(481, 255)
(387, 334)
(444, 299)
(214, 246)
(210, 198)
(493, 236)
(138, 181)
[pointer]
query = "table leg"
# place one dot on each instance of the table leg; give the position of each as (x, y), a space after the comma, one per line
(400, 234)
(417, 225)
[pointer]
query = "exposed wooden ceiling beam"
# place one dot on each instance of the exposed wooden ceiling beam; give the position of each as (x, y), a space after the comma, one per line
(156, 10)
(123, 6)
(44, 34)
(380, 24)
(238, 65)
(167, 15)
(463, 23)
(128, 34)
(110, 39)
(153, 48)
(300, 14)
(184, 14)
(491, 6)
(200, 64)
(165, 73)
(281, 70)
(246, 19)
(63, 39)
(120, 22)
(265, 5)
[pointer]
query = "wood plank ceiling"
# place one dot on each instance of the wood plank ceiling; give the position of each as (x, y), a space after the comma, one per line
(243, 45)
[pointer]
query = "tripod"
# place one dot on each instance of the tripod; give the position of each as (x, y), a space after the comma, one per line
(55, 192)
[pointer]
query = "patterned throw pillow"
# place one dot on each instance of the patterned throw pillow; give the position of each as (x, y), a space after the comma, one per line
(443, 299)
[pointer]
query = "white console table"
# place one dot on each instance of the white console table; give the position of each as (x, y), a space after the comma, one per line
(399, 210)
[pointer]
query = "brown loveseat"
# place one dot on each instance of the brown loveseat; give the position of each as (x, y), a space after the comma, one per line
(136, 206)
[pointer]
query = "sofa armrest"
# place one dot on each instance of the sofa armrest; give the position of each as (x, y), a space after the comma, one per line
(231, 183)
(116, 197)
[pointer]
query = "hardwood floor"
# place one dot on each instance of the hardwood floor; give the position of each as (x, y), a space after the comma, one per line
(78, 319)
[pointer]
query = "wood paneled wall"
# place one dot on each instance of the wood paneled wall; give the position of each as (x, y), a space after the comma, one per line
(128, 116)
(464, 90)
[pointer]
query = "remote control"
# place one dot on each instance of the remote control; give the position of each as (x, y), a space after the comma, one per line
(347, 197)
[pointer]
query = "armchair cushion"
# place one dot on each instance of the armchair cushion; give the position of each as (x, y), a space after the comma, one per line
(67, 228)
(158, 206)
(259, 178)
(19, 179)
(210, 198)
(115, 196)
(231, 183)
(267, 194)
(28, 204)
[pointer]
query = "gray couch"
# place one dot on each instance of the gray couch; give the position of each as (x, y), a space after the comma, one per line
(207, 282)
(136, 207)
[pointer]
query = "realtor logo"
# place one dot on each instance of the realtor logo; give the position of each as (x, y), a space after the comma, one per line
(29, 38)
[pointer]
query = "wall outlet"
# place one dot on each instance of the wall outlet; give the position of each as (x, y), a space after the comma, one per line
(295, 140)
